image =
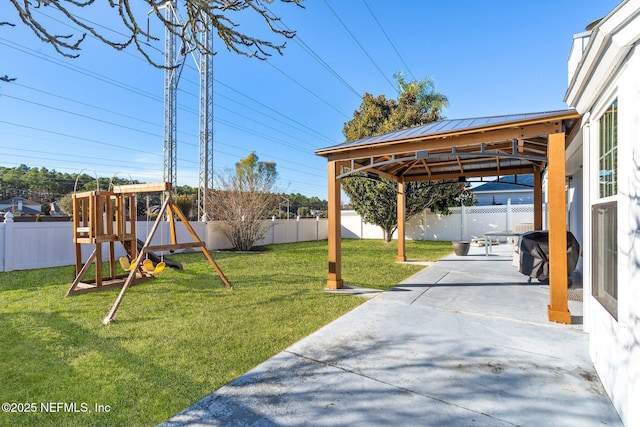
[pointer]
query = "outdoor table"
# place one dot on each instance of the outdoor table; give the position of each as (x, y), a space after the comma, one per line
(490, 234)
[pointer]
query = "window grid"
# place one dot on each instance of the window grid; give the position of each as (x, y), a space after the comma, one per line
(608, 153)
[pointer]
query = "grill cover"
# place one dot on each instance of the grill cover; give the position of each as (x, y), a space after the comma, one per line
(534, 254)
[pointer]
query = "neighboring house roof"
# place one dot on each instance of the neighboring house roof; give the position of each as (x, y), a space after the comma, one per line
(507, 183)
(25, 210)
(28, 206)
(18, 199)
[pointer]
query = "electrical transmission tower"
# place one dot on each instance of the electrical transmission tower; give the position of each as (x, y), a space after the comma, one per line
(205, 164)
(171, 76)
(174, 62)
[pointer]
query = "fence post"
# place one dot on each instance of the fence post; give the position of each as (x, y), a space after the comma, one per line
(317, 228)
(8, 241)
(463, 220)
(297, 228)
(273, 229)
(508, 214)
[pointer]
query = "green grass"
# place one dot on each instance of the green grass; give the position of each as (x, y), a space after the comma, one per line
(176, 338)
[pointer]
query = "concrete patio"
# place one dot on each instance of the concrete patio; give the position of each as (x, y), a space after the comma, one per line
(463, 342)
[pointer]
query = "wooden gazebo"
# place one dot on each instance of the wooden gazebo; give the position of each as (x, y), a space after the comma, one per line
(457, 150)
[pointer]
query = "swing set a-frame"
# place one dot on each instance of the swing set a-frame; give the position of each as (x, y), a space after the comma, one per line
(109, 217)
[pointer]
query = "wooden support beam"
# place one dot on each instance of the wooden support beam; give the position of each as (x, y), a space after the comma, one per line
(334, 280)
(402, 256)
(143, 188)
(176, 247)
(82, 271)
(558, 309)
(129, 280)
(537, 198)
(174, 208)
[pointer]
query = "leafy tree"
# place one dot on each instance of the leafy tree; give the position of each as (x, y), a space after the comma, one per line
(65, 203)
(45, 186)
(186, 203)
(135, 31)
(376, 200)
(419, 103)
(243, 200)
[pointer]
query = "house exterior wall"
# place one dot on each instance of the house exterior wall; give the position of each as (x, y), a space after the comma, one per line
(609, 70)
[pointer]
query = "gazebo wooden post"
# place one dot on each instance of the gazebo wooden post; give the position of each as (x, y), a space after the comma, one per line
(537, 198)
(558, 310)
(334, 280)
(402, 256)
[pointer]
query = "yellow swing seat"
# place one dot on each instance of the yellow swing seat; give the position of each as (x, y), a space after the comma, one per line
(125, 264)
(148, 267)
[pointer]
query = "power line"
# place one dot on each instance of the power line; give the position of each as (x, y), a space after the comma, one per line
(359, 44)
(77, 69)
(133, 89)
(93, 141)
(271, 109)
(189, 65)
(388, 39)
(79, 115)
(307, 89)
(280, 24)
(152, 96)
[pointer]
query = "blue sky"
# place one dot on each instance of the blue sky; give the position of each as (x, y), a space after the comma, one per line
(103, 111)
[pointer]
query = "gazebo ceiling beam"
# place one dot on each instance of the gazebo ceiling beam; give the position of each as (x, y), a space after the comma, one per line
(400, 166)
(453, 155)
(476, 173)
(360, 167)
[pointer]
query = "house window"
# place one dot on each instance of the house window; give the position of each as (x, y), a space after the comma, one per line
(605, 256)
(604, 216)
(608, 152)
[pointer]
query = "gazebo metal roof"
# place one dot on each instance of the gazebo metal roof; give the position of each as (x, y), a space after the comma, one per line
(454, 149)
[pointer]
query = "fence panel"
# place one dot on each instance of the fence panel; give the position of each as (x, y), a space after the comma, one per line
(2, 244)
(464, 223)
(27, 245)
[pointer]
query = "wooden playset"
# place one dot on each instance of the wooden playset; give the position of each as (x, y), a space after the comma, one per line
(109, 218)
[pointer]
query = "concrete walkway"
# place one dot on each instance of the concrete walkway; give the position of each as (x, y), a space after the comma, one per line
(465, 342)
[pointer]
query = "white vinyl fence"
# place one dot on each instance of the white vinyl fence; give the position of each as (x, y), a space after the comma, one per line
(464, 223)
(28, 245)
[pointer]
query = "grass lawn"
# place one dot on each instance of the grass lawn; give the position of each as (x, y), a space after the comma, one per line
(176, 338)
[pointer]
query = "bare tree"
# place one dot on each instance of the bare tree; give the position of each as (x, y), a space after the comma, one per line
(198, 14)
(243, 200)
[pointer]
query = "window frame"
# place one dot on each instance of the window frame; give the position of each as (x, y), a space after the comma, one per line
(604, 257)
(610, 155)
(604, 232)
